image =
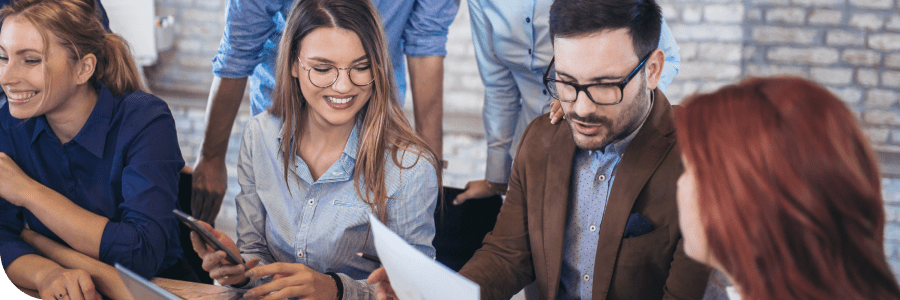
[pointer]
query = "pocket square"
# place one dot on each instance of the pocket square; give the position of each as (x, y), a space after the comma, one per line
(637, 226)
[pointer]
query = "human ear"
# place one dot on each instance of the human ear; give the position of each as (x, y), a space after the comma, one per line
(295, 68)
(654, 67)
(85, 68)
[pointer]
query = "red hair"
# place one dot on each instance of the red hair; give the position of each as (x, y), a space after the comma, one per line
(788, 190)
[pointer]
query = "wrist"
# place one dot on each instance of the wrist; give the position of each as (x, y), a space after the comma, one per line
(497, 188)
(338, 284)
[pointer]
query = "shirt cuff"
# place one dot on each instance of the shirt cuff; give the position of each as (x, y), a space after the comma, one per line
(417, 46)
(13, 249)
(356, 289)
(498, 166)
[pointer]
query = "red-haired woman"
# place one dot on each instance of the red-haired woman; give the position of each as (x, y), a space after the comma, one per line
(781, 193)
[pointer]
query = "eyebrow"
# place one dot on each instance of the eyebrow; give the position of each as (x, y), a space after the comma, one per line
(325, 60)
(23, 50)
(595, 79)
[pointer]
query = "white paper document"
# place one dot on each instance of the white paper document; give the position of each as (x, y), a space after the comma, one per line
(415, 276)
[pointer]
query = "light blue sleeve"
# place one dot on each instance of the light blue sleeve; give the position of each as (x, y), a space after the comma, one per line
(251, 215)
(425, 33)
(673, 59)
(249, 24)
(501, 96)
(411, 216)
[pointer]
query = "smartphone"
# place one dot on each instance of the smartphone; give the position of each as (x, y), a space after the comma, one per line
(207, 237)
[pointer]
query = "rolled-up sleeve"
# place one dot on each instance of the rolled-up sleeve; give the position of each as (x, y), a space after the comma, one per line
(11, 225)
(141, 236)
(426, 29)
(249, 25)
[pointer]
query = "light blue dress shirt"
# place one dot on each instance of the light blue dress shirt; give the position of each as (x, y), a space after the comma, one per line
(513, 49)
(593, 173)
(323, 223)
(253, 29)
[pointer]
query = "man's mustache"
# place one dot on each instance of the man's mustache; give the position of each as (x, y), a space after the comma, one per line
(590, 119)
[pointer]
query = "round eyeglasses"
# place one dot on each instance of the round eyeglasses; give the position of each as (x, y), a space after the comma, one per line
(605, 93)
(325, 75)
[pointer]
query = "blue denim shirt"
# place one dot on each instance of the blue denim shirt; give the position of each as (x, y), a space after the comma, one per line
(593, 173)
(323, 223)
(123, 165)
(513, 49)
(253, 29)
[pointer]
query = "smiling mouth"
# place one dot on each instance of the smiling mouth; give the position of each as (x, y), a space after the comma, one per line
(20, 97)
(339, 100)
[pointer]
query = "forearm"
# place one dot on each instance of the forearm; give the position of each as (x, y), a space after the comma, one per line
(79, 228)
(28, 270)
(225, 96)
(426, 75)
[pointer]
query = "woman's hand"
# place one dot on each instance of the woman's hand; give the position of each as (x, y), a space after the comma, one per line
(382, 283)
(61, 283)
(215, 263)
(14, 184)
(292, 280)
(556, 112)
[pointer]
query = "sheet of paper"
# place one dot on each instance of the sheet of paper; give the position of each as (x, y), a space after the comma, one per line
(415, 276)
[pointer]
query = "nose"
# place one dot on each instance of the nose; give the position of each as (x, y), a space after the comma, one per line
(583, 105)
(8, 73)
(343, 84)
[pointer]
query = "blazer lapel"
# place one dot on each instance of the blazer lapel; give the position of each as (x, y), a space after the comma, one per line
(640, 161)
(556, 196)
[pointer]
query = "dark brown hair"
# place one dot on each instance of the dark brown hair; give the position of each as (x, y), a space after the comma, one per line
(788, 191)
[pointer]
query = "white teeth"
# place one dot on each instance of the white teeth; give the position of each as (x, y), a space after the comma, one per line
(339, 100)
(20, 96)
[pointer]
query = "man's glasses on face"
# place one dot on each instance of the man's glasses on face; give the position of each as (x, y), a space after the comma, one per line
(606, 93)
(324, 75)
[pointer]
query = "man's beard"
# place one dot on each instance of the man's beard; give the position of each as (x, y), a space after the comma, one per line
(633, 115)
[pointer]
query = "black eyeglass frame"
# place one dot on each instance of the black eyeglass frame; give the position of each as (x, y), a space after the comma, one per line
(337, 75)
(584, 87)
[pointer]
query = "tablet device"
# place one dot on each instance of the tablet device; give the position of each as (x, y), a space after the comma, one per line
(207, 236)
(141, 288)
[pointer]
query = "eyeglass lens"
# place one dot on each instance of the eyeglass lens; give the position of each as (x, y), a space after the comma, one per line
(600, 93)
(326, 75)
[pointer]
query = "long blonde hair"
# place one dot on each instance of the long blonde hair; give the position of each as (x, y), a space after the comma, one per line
(76, 25)
(381, 123)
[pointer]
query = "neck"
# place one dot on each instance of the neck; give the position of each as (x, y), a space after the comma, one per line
(318, 134)
(68, 119)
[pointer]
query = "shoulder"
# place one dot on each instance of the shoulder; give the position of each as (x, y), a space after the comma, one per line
(413, 160)
(540, 135)
(263, 124)
(141, 107)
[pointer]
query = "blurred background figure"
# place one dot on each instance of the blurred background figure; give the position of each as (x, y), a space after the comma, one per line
(786, 201)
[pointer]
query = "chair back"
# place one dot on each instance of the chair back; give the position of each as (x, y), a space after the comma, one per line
(460, 229)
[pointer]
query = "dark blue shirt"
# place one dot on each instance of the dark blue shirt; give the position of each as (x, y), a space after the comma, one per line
(122, 165)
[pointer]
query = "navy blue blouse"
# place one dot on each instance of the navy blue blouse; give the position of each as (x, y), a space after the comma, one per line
(122, 165)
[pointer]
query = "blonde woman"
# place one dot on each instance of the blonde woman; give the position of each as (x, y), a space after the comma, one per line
(86, 158)
(333, 148)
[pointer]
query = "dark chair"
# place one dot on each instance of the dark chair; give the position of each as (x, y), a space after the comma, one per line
(461, 228)
(184, 201)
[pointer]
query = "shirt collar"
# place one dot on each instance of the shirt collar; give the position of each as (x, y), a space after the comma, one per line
(348, 159)
(92, 135)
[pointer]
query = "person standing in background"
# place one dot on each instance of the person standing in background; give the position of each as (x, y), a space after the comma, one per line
(513, 48)
(416, 29)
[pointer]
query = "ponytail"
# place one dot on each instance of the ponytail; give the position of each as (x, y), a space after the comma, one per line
(115, 66)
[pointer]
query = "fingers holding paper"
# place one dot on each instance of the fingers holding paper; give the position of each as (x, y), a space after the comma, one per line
(382, 283)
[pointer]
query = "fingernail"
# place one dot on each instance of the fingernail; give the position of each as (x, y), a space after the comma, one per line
(249, 295)
(250, 274)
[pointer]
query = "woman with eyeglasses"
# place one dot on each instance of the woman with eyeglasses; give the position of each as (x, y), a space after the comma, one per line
(781, 192)
(333, 148)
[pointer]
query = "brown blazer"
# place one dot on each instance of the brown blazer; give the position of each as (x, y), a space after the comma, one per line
(527, 242)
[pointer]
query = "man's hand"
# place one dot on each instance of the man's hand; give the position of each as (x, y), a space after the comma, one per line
(382, 283)
(210, 180)
(292, 280)
(479, 189)
(556, 112)
(215, 263)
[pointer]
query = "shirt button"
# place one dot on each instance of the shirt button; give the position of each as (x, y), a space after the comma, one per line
(593, 228)
(602, 178)
(529, 51)
(300, 254)
(545, 92)
(312, 201)
(587, 277)
(527, 20)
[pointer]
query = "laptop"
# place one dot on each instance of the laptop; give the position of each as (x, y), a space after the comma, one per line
(141, 288)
